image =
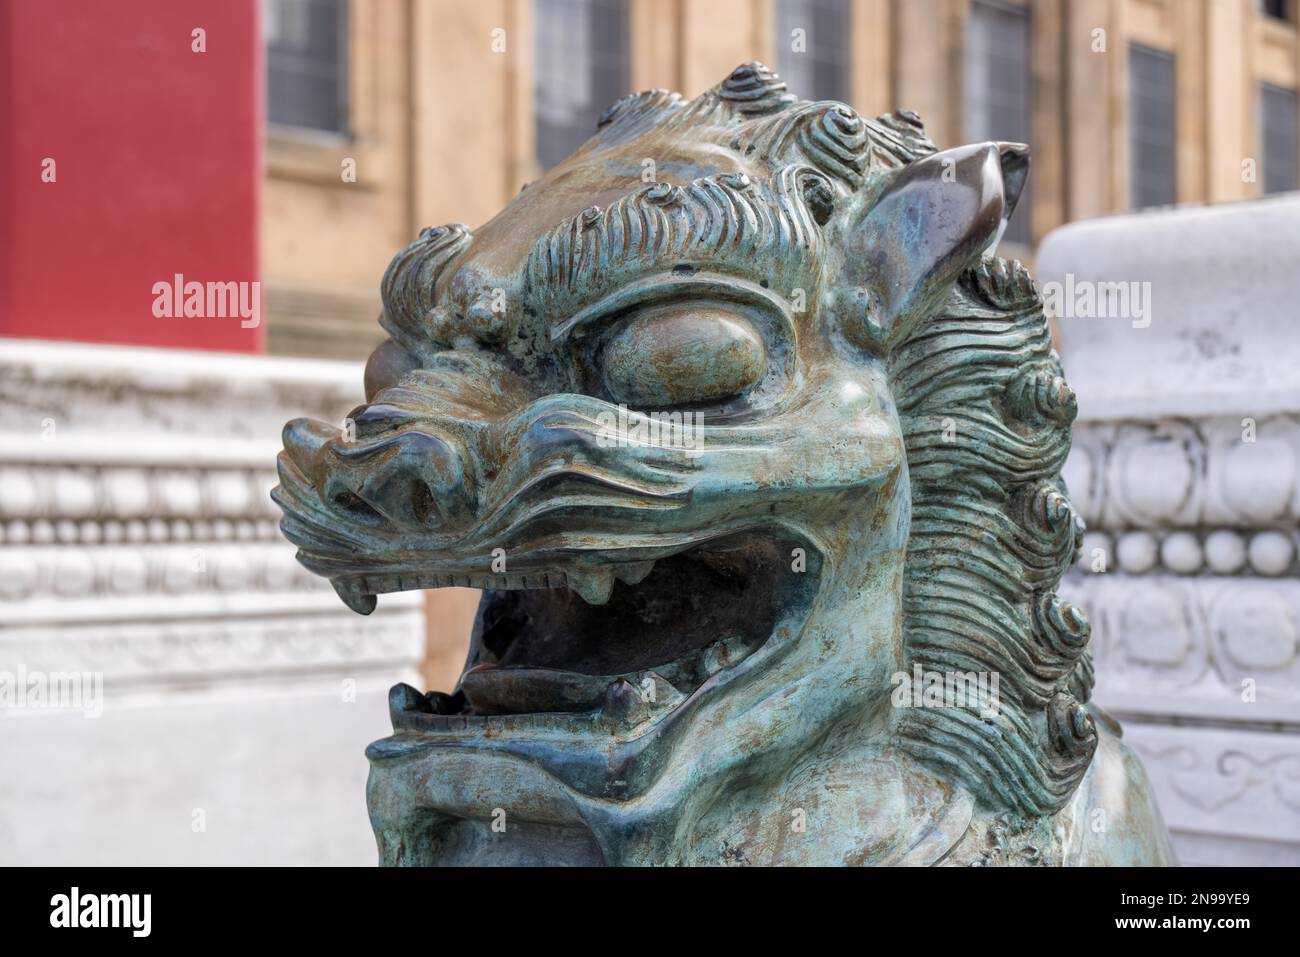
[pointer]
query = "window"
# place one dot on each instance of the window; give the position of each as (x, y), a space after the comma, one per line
(1277, 9)
(996, 87)
(1278, 138)
(812, 48)
(582, 54)
(1151, 137)
(306, 63)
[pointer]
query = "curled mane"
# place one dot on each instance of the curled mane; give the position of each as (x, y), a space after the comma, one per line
(986, 420)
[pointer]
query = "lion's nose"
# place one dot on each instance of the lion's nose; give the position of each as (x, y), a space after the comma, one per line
(414, 479)
(304, 439)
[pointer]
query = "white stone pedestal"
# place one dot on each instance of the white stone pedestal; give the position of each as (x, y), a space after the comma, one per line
(1186, 467)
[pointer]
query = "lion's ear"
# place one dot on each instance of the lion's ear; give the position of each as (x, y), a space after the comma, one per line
(930, 224)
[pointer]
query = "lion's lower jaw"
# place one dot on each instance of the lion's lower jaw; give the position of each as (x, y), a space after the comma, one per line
(865, 805)
(715, 780)
(871, 827)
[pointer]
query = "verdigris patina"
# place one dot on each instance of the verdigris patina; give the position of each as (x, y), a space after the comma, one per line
(755, 450)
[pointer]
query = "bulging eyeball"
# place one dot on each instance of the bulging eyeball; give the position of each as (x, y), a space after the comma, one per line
(677, 355)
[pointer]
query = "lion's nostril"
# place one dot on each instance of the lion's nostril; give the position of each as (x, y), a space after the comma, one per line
(351, 502)
(411, 479)
(423, 506)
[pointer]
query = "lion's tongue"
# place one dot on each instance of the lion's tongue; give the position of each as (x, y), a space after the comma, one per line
(524, 690)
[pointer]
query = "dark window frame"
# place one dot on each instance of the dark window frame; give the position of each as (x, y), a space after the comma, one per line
(332, 73)
(1153, 161)
(1281, 10)
(1287, 138)
(1010, 118)
(823, 71)
(561, 127)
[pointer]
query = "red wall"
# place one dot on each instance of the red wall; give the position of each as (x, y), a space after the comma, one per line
(158, 153)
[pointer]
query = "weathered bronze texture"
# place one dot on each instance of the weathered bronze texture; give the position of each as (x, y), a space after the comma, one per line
(754, 447)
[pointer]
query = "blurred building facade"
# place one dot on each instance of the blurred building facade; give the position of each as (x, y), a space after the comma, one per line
(389, 115)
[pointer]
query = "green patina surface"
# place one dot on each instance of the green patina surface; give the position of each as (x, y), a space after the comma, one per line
(755, 449)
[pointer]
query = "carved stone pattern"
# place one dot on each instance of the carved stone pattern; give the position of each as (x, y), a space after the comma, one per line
(1187, 474)
(138, 534)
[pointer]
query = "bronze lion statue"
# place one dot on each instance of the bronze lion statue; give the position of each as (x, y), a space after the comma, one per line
(754, 447)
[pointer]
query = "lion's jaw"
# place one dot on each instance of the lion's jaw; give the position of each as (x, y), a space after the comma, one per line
(618, 723)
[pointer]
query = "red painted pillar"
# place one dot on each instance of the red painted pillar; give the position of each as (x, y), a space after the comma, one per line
(130, 168)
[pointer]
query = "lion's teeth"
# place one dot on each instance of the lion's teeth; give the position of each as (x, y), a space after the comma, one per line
(657, 691)
(355, 596)
(722, 654)
(623, 702)
(593, 584)
(634, 573)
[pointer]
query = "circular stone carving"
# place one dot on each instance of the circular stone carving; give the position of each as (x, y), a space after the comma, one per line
(1157, 620)
(234, 569)
(183, 570)
(17, 575)
(1255, 629)
(180, 493)
(1180, 552)
(229, 493)
(127, 491)
(1078, 476)
(1155, 478)
(1271, 553)
(1258, 478)
(1225, 551)
(74, 493)
(19, 498)
(1096, 545)
(74, 573)
(1136, 552)
(128, 573)
(280, 570)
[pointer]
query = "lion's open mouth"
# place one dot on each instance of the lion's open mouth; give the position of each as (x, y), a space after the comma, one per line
(658, 633)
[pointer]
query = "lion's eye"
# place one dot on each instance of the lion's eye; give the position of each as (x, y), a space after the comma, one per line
(679, 355)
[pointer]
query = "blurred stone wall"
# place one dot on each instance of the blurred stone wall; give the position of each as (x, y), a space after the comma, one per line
(140, 555)
(1186, 467)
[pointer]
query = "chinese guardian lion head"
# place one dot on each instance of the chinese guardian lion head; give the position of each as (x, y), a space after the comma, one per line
(754, 448)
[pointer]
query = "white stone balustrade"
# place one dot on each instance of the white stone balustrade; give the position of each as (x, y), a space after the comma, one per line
(137, 542)
(1186, 468)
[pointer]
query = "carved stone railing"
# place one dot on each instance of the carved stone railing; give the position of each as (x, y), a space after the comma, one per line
(1186, 467)
(139, 544)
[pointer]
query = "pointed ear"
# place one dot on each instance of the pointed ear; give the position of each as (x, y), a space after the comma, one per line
(934, 221)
